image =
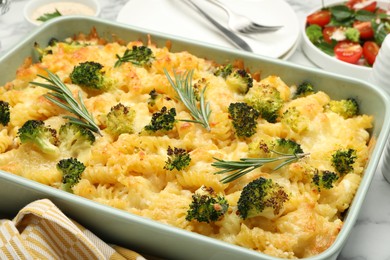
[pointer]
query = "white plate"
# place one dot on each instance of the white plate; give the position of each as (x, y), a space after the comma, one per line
(177, 18)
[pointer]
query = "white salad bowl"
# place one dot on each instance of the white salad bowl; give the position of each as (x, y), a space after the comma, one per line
(331, 63)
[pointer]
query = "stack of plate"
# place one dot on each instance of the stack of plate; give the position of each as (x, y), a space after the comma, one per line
(177, 18)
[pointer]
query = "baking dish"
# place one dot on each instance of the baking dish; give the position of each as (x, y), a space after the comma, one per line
(116, 226)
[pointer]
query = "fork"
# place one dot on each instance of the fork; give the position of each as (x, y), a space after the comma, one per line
(241, 23)
(229, 35)
(4, 6)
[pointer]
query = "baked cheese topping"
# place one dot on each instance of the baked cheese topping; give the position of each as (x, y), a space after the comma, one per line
(128, 171)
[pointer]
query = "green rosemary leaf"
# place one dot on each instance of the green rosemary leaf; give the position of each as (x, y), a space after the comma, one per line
(63, 97)
(285, 163)
(246, 165)
(238, 174)
(185, 90)
(79, 122)
(56, 102)
(48, 86)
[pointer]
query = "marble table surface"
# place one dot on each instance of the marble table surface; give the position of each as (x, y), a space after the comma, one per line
(370, 238)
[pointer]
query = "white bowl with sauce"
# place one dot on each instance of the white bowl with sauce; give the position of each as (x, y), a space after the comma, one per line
(36, 8)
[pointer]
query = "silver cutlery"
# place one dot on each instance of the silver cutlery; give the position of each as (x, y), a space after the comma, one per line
(229, 35)
(4, 6)
(241, 23)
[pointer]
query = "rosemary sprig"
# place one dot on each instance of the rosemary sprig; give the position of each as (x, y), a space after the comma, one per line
(185, 90)
(63, 97)
(246, 165)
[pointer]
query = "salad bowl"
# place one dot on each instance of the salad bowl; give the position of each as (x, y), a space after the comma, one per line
(344, 39)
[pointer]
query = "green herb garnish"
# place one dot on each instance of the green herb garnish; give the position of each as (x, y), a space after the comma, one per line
(63, 97)
(186, 92)
(47, 16)
(381, 30)
(342, 13)
(246, 165)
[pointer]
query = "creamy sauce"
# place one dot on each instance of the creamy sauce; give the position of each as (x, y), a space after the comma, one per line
(65, 8)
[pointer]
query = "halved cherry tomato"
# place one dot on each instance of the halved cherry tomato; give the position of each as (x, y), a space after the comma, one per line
(365, 29)
(348, 51)
(380, 11)
(369, 6)
(370, 51)
(327, 33)
(320, 18)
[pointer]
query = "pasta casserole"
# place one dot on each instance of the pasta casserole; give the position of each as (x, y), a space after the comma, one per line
(211, 148)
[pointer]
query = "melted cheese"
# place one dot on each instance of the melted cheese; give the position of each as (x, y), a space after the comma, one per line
(128, 171)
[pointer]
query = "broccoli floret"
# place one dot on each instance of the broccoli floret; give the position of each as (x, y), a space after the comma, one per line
(137, 55)
(266, 100)
(45, 51)
(259, 148)
(343, 160)
(178, 158)
(199, 86)
(120, 120)
(346, 108)
(304, 89)
(352, 34)
(75, 138)
(286, 146)
(262, 197)
(53, 41)
(42, 51)
(240, 81)
(71, 170)
(35, 132)
(90, 75)
(274, 147)
(244, 119)
(163, 120)
(5, 114)
(324, 179)
(206, 206)
(314, 33)
(224, 71)
(153, 97)
(295, 120)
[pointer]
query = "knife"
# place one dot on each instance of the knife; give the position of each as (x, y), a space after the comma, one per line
(229, 35)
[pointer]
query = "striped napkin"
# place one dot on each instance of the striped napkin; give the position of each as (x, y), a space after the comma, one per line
(41, 231)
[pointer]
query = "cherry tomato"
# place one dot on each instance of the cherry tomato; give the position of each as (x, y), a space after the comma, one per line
(353, 4)
(380, 11)
(365, 29)
(370, 51)
(327, 33)
(348, 51)
(320, 18)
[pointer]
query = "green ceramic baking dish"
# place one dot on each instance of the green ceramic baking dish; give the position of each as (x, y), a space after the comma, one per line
(144, 235)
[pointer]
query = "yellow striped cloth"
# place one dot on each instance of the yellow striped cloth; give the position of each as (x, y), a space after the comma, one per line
(41, 231)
